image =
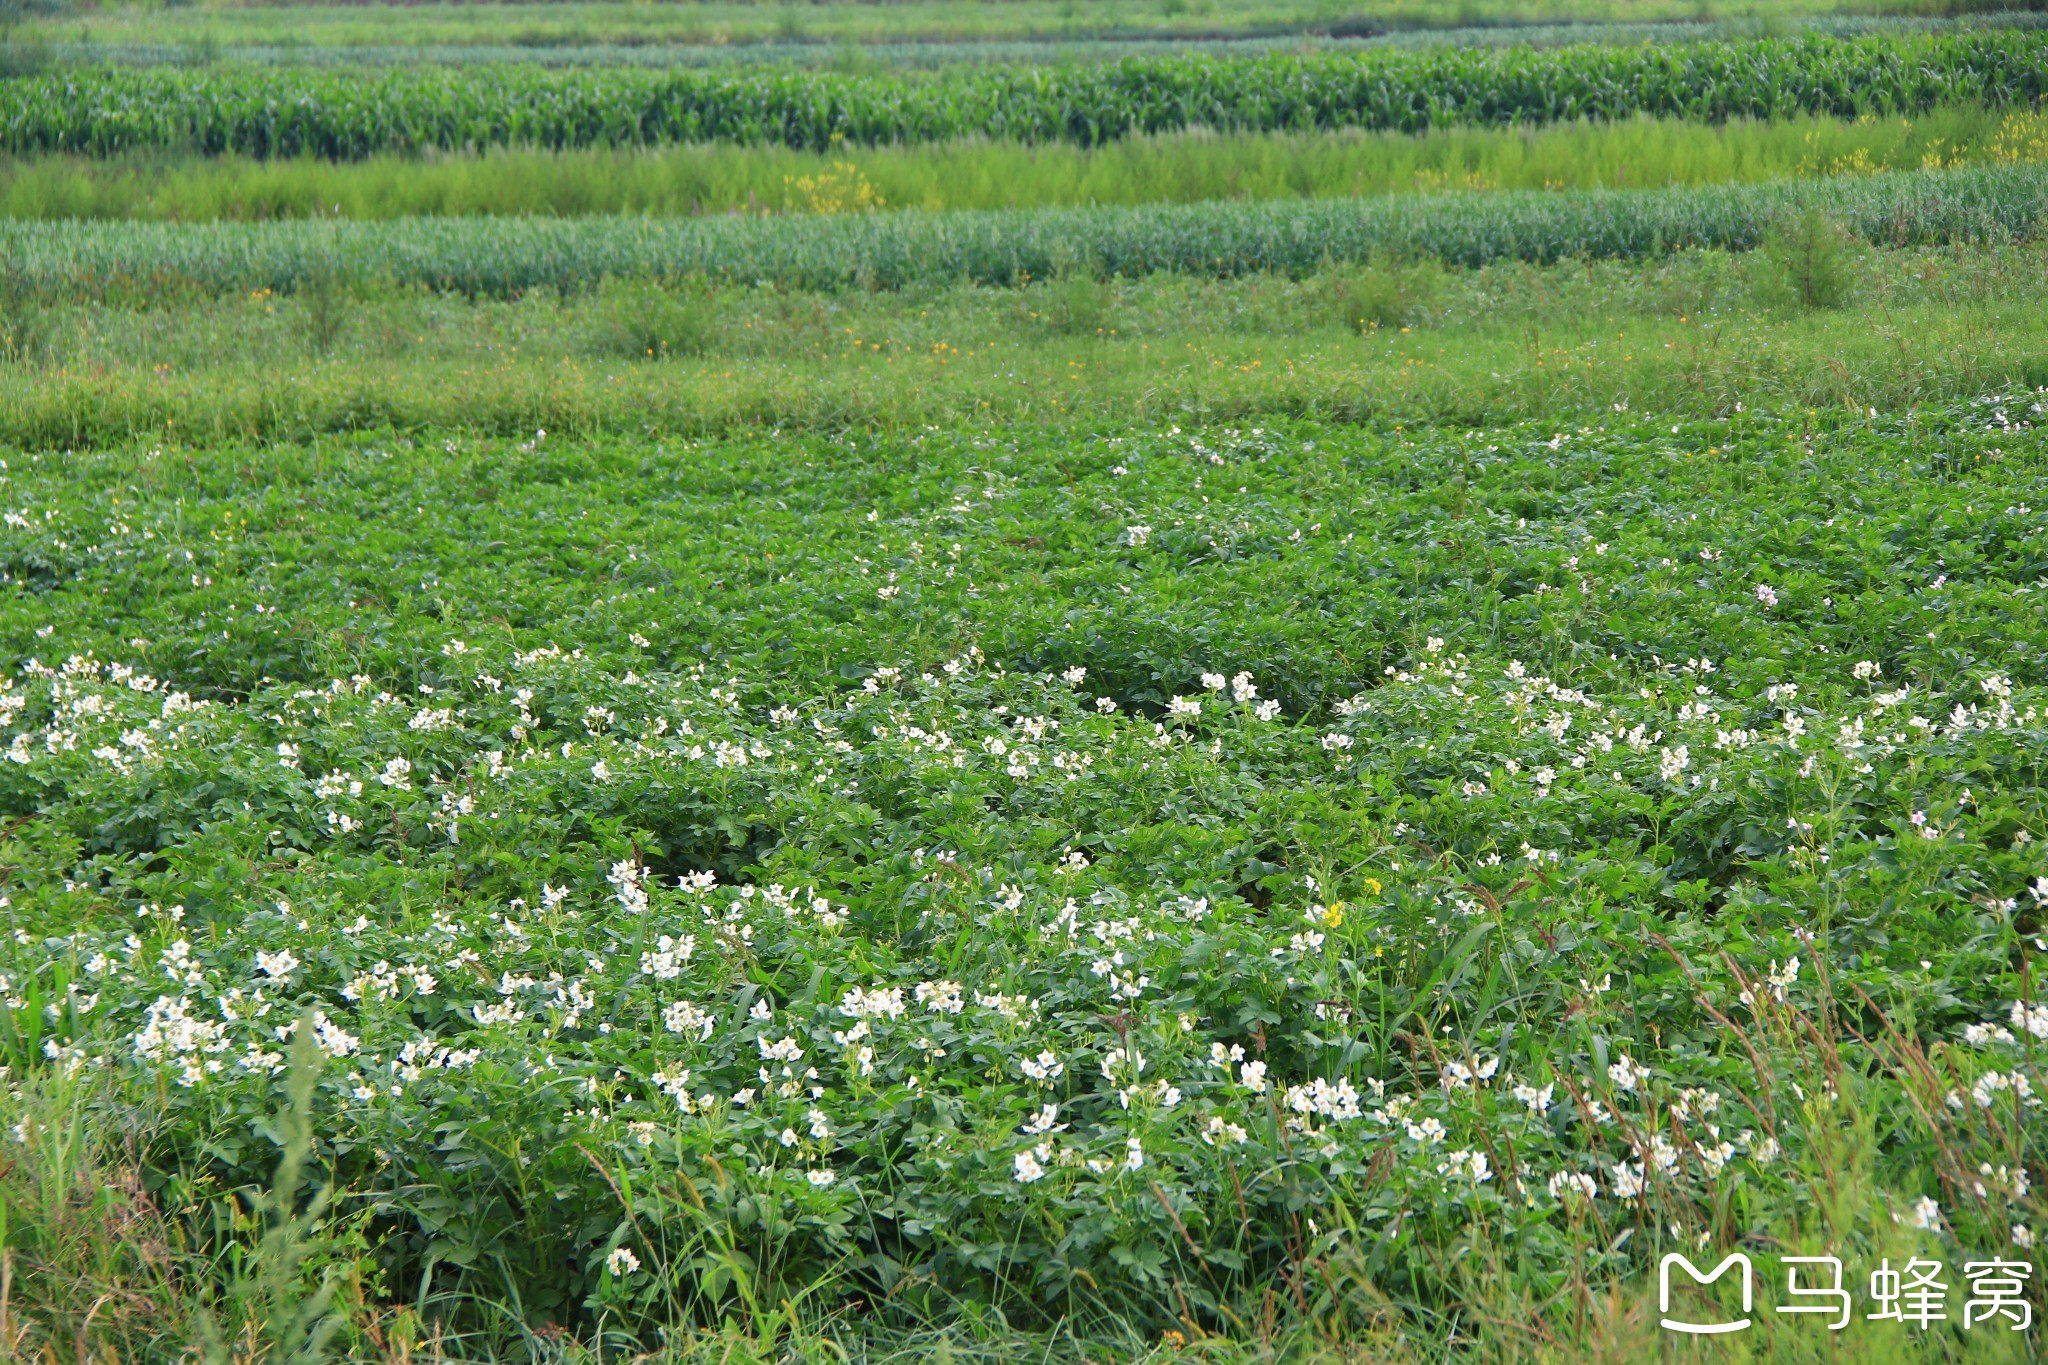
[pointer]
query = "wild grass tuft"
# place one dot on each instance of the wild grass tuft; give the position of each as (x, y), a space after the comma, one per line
(646, 320)
(1390, 293)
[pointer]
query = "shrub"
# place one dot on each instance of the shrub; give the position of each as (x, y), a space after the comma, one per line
(1807, 261)
(327, 307)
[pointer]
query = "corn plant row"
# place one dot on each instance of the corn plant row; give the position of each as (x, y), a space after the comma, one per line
(343, 114)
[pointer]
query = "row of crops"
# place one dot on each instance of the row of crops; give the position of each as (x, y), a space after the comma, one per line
(1004, 52)
(500, 256)
(340, 114)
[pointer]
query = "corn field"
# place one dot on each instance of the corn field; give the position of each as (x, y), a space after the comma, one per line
(347, 115)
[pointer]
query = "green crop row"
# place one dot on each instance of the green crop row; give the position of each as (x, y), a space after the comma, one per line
(862, 56)
(937, 26)
(892, 250)
(1174, 168)
(280, 112)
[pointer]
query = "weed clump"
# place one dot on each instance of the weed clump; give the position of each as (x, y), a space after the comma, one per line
(27, 324)
(645, 320)
(327, 299)
(1389, 292)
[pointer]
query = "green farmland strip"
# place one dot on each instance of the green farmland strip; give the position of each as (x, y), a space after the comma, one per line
(279, 112)
(1021, 873)
(893, 250)
(927, 55)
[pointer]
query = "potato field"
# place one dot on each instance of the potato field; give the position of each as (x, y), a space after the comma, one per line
(959, 682)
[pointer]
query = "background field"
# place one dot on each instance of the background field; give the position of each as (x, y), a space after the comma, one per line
(1698, 333)
(38, 53)
(1211, 681)
(340, 115)
(556, 25)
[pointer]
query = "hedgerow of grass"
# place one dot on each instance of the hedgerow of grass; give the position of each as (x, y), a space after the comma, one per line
(976, 174)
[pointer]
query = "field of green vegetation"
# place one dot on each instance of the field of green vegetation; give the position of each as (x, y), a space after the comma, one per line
(977, 174)
(75, 46)
(1697, 334)
(348, 115)
(1293, 708)
(893, 251)
(736, 24)
(912, 932)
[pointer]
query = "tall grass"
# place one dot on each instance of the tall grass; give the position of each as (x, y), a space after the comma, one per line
(502, 256)
(976, 174)
(109, 1252)
(1697, 332)
(90, 1257)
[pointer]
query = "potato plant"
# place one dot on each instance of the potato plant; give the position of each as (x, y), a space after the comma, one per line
(1150, 874)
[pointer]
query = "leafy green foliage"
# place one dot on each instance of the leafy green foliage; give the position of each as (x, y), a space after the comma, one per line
(291, 1314)
(303, 112)
(1807, 261)
(1039, 872)
(339, 36)
(1183, 167)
